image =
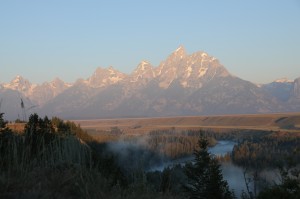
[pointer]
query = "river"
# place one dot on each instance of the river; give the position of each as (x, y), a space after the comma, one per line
(231, 173)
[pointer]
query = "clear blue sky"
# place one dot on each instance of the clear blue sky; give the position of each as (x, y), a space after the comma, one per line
(256, 40)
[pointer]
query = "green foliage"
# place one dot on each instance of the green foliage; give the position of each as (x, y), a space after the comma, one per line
(205, 179)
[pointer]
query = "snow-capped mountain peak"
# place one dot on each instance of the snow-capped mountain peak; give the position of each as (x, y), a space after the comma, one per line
(104, 77)
(180, 48)
(191, 70)
(57, 83)
(179, 52)
(19, 83)
(283, 80)
(143, 70)
(143, 65)
(182, 84)
(112, 71)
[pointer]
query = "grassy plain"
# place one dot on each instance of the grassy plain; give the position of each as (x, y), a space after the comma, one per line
(284, 122)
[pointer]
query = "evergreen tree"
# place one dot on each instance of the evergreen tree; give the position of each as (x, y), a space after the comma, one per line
(165, 185)
(205, 179)
(289, 188)
(2, 122)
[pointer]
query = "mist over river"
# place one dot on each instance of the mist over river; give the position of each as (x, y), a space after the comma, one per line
(231, 173)
(132, 157)
(222, 147)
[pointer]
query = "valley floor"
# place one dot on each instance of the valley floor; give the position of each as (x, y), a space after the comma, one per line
(285, 122)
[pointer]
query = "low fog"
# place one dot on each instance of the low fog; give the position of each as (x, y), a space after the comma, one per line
(133, 156)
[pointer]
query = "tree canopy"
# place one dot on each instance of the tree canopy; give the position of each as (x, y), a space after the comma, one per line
(205, 179)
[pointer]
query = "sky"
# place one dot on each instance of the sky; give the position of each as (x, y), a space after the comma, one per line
(256, 40)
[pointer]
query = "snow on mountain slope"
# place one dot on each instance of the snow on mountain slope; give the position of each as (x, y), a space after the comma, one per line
(191, 70)
(105, 76)
(182, 84)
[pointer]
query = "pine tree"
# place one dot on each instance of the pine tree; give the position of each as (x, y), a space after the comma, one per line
(205, 179)
(2, 122)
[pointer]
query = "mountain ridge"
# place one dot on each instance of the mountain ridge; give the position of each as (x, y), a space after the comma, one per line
(182, 84)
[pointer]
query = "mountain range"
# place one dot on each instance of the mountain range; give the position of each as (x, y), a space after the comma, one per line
(182, 84)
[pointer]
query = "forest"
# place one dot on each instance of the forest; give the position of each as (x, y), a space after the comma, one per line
(53, 158)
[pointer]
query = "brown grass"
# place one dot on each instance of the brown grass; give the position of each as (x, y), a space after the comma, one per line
(16, 127)
(277, 122)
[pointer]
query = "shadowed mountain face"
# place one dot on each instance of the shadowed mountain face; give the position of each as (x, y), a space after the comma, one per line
(280, 90)
(296, 88)
(182, 84)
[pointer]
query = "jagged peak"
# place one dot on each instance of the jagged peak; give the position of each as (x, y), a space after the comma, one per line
(57, 81)
(203, 55)
(180, 51)
(180, 48)
(144, 62)
(144, 70)
(107, 71)
(18, 78)
(104, 76)
(18, 83)
(176, 55)
(143, 65)
(111, 70)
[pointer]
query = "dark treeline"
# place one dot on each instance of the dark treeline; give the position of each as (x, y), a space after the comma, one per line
(255, 149)
(171, 144)
(55, 159)
(267, 151)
